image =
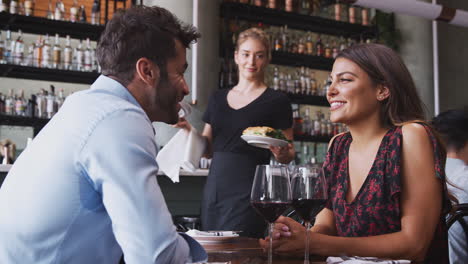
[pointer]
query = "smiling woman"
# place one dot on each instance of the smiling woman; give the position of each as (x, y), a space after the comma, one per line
(377, 205)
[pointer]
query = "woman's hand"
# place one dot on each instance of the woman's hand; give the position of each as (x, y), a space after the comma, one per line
(184, 124)
(283, 154)
(288, 237)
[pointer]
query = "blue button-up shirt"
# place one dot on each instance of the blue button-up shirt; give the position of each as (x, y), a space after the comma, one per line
(86, 189)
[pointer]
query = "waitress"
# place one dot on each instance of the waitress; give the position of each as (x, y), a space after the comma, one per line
(225, 204)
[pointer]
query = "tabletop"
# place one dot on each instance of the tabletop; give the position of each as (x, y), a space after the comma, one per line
(242, 250)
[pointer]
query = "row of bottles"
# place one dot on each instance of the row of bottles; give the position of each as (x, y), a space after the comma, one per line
(306, 125)
(296, 80)
(284, 39)
(43, 104)
(310, 152)
(43, 54)
(337, 11)
(77, 12)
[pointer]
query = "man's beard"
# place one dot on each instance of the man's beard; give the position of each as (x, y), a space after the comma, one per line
(168, 105)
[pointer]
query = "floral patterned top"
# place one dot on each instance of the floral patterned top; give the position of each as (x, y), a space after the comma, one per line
(376, 208)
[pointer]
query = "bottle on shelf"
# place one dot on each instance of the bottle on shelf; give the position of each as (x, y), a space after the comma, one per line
(50, 13)
(57, 53)
(67, 54)
(96, 13)
(7, 55)
(60, 99)
(82, 14)
(87, 56)
(352, 14)
(20, 104)
(29, 7)
(337, 8)
(276, 81)
(307, 123)
(50, 102)
(2, 50)
(297, 123)
(46, 53)
(14, 6)
(309, 44)
(328, 50)
(37, 54)
(29, 58)
(18, 53)
(319, 47)
(365, 16)
(4, 6)
(74, 9)
(31, 106)
(59, 13)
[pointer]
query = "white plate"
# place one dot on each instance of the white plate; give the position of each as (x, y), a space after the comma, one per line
(264, 142)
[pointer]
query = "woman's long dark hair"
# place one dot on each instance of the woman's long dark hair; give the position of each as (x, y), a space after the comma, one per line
(384, 66)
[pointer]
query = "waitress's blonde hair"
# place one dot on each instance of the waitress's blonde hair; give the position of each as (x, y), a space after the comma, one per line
(258, 34)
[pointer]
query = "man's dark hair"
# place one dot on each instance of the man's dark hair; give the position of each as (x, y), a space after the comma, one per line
(453, 127)
(141, 32)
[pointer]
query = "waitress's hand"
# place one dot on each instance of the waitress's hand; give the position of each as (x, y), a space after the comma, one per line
(184, 124)
(283, 154)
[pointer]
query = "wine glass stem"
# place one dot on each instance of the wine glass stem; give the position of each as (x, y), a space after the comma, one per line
(307, 241)
(270, 245)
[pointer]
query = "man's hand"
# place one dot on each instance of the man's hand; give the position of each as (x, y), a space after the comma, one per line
(184, 124)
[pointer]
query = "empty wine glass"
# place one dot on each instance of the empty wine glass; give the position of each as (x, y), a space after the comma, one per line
(309, 194)
(271, 195)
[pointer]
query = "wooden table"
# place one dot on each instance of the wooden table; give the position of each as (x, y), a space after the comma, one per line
(243, 250)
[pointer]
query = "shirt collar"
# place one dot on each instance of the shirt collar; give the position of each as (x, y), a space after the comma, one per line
(114, 87)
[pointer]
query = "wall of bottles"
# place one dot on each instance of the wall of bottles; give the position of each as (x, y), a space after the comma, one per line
(333, 10)
(42, 104)
(47, 52)
(83, 11)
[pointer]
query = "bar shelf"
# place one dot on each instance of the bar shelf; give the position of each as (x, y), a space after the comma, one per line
(46, 74)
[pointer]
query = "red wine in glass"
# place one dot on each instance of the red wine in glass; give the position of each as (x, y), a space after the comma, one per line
(271, 195)
(307, 209)
(270, 210)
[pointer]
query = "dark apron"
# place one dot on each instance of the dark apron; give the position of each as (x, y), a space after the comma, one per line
(226, 197)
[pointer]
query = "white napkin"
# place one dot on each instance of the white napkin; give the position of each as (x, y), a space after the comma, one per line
(364, 260)
(198, 233)
(183, 150)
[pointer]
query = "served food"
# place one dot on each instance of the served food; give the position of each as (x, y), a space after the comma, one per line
(264, 131)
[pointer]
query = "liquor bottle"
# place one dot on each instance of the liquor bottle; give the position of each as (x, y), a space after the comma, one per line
(59, 10)
(313, 83)
(79, 57)
(67, 55)
(309, 44)
(20, 104)
(305, 155)
(31, 106)
(301, 47)
(14, 5)
(276, 84)
(352, 14)
(29, 7)
(50, 14)
(2, 50)
(297, 123)
(285, 39)
(304, 80)
(328, 50)
(289, 6)
(282, 82)
(258, 2)
(304, 7)
(272, 4)
(7, 55)
(317, 123)
(74, 9)
(343, 44)
(57, 53)
(50, 101)
(96, 13)
(297, 83)
(87, 56)
(37, 55)
(323, 125)
(4, 6)
(293, 47)
(29, 58)
(319, 47)
(59, 100)
(289, 84)
(9, 100)
(335, 50)
(307, 125)
(41, 104)
(278, 44)
(46, 61)
(82, 14)
(365, 16)
(337, 9)
(18, 53)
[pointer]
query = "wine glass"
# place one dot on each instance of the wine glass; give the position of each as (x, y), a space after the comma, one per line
(309, 194)
(271, 195)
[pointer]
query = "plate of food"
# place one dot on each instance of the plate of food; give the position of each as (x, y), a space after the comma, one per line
(264, 137)
(213, 236)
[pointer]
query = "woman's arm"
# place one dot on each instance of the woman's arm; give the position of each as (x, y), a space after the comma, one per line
(421, 206)
(208, 135)
(284, 154)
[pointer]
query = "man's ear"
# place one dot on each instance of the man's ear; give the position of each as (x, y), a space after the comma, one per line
(382, 92)
(147, 71)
